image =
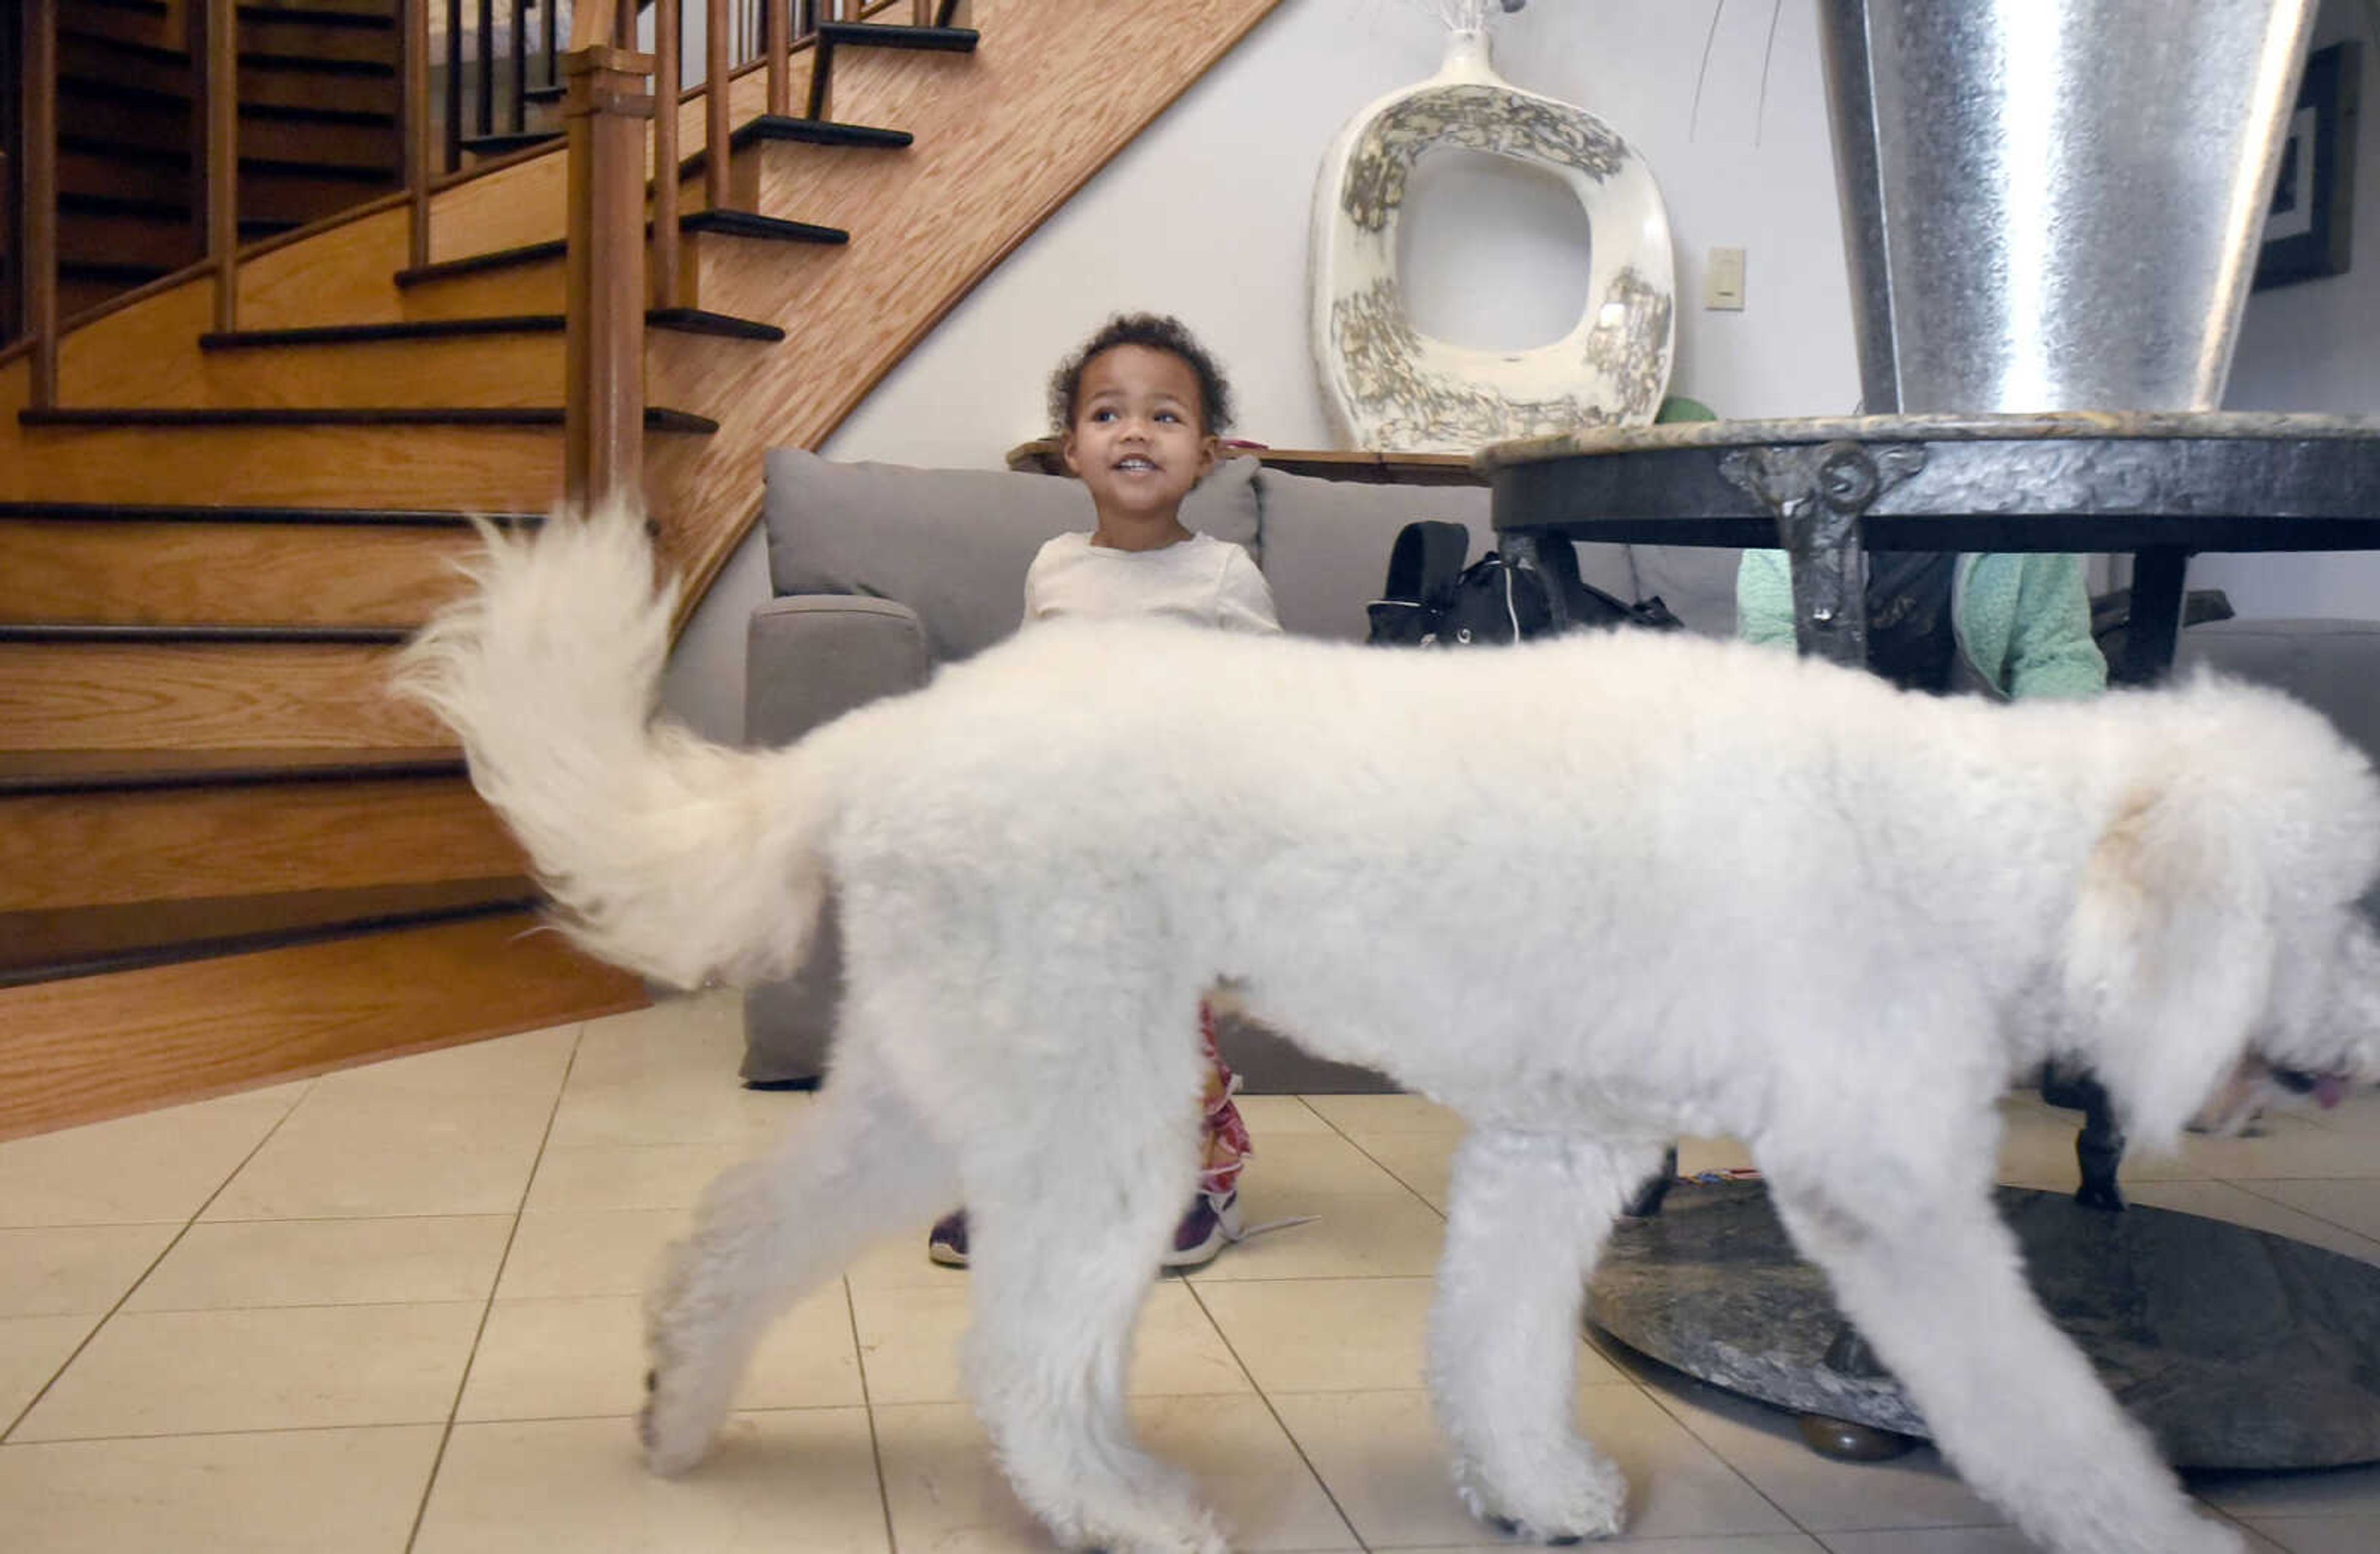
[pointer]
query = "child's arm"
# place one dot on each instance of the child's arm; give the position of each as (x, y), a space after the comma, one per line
(1036, 580)
(1244, 602)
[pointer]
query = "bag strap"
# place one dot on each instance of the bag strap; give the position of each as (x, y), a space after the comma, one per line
(1425, 561)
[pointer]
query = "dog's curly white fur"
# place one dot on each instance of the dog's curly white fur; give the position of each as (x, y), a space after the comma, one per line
(1590, 893)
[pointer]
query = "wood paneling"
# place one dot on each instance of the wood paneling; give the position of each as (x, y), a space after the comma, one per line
(119, 571)
(86, 1048)
(86, 696)
(68, 850)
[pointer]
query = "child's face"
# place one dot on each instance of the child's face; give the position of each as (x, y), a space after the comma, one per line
(1139, 440)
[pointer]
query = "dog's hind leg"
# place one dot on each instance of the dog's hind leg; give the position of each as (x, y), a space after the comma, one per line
(1528, 1215)
(1934, 1282)
(769, 1232)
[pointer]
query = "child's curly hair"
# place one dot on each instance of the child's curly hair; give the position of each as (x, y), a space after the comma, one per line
(1158, 332)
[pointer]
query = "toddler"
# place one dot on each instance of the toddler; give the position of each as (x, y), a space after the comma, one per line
(1141, 407)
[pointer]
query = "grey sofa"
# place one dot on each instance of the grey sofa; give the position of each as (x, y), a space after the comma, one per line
(880, 572)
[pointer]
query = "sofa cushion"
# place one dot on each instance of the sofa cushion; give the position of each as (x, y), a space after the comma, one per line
(2325, 663)
(951, 544)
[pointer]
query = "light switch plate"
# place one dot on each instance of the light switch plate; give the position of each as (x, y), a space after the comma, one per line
(1723, 281)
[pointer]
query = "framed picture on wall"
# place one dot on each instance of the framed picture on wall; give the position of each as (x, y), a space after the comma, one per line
(2307, 229)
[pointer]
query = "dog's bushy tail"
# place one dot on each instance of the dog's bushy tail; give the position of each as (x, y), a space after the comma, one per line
(679, 859)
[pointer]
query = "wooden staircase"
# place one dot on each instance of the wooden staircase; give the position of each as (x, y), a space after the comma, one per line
(318, 129)
(226, 855)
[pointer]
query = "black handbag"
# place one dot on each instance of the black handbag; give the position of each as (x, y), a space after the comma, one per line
(1433, 600)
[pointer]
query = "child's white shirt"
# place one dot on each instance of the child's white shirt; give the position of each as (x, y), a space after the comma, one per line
(1202, 578)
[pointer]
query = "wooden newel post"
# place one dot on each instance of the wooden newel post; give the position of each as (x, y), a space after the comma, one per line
(606, 104)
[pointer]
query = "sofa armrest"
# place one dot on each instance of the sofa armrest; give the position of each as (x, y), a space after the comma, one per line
(810, 658)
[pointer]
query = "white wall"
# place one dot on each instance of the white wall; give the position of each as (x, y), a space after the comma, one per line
(1206, 216)
(2316, 346)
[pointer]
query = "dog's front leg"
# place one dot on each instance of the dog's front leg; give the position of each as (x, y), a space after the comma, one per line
(1529, 1214)
(1935, 1283)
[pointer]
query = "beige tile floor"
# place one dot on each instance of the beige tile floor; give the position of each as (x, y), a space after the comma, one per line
(396, 1310)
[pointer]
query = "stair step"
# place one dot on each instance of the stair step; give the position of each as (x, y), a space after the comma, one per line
(817, 133)
(89, 71)
(144, 631)
(77, 1050)
(91, 941)
(887, 36)
(738, 224)
(202, 695)
(702, 320)
(185, 512)
(657, 418)
(123, 849)
(163, 129)
(358, 334)
(850, 34)
(479, 263)
(90, 771)
(748, 224)
(474, 468)
(692, 320)
(505, 142)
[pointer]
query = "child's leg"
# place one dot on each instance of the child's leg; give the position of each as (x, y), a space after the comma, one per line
(1223, 1132)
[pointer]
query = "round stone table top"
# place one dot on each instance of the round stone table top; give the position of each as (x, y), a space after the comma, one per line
(2237, 1349)
(2066, 425)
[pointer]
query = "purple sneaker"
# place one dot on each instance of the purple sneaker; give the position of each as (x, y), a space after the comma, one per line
(947, 1244)
(1209, 1226)
(1212, 1225)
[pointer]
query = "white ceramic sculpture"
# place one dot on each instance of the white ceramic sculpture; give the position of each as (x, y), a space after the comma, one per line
(1391, 387)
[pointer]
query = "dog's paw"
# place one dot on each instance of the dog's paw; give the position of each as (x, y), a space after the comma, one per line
(672, 1441)
(1583, 1498)
(1197, 1535)
(1158, 1512)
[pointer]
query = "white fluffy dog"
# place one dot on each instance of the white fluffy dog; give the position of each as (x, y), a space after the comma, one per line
(1590, 893)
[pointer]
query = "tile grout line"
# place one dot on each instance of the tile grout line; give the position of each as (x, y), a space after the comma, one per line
(488, 1306)
(16, 1423)
(1274, 1414)
(1661, 1402)
(1266, 1398)
(867, 1407)
(2246, 1187)
(1357, 1146)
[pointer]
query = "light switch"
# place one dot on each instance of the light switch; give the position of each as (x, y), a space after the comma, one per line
(1723, 281)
